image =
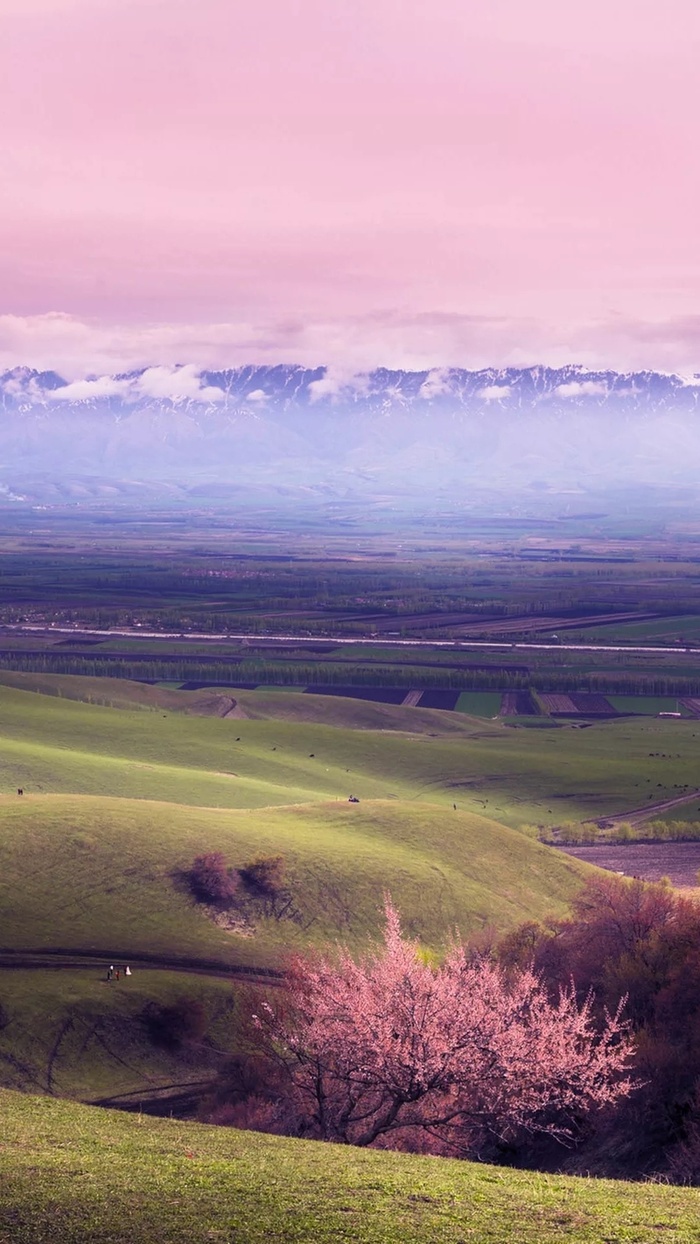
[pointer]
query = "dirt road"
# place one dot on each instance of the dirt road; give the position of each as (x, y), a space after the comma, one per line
(636, 815)
(67, 959)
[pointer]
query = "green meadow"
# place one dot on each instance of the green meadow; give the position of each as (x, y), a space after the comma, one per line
(292, 748)
(72, 1173)
(71, 1033)
(125, 783)
(102, 874)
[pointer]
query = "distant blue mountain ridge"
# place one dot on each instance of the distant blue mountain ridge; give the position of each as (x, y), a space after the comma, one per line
(289, 430)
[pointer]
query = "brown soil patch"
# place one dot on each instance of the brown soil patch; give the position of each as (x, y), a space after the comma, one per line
(557, 703)
(679, 861)
(230, 921)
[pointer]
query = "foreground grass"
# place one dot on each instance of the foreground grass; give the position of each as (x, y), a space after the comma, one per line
(70, 1173)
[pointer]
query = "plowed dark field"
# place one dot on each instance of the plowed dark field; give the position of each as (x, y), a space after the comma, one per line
(593, 705)
(439, 698)
(651, 861)
(379, 695)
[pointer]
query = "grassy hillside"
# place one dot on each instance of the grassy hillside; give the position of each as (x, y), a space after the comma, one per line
(287, 755)
(73, 1173)
(70, 1033)
(117, 693)
(102, 874)
(121, 796)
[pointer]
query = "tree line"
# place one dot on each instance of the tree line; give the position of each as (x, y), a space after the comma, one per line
(307, 674)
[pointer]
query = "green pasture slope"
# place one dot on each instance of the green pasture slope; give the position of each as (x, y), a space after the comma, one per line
(293, 748)
(119, 800)
(100, 875)
(125, 784)
(70, 1033)
(72, 1173)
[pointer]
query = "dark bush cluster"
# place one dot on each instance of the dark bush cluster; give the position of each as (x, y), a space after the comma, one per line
(211, 880)
(265, 876)
(171, 1027)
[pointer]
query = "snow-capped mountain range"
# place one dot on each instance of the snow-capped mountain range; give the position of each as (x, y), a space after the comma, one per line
(288, 427)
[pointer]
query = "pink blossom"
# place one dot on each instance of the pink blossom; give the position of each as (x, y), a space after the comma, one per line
(462, 1052)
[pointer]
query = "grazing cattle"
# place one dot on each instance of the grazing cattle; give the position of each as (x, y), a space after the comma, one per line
(20, 791)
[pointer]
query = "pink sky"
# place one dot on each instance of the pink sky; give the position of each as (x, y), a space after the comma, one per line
(408, 182)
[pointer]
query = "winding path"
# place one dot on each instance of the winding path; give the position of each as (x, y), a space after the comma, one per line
(69, 959)
(636, 815)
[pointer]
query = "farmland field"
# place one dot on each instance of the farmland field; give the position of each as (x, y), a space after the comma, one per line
(679, 861)
(647, 704)
(479, 703)
(557, 703)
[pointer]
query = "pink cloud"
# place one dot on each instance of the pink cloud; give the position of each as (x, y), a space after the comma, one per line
(222, 163)
(349, 347)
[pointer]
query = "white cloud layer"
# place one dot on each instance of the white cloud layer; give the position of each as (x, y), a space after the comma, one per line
(337, 380)
(177, 383)
(494, 392)
(582, 388)
(167, 383)
(436, 384)
(79, 390)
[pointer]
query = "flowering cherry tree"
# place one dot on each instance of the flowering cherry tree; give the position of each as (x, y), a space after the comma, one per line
(457, 1053)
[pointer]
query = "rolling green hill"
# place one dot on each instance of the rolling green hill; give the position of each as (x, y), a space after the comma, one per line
(287, 752)
(68, 1032)
(101, 874)
(72, 1173)
(122, 794)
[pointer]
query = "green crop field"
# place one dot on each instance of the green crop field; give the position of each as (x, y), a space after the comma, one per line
(654, 630)
(72, 1173)
(649, 705)
(479, 703)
